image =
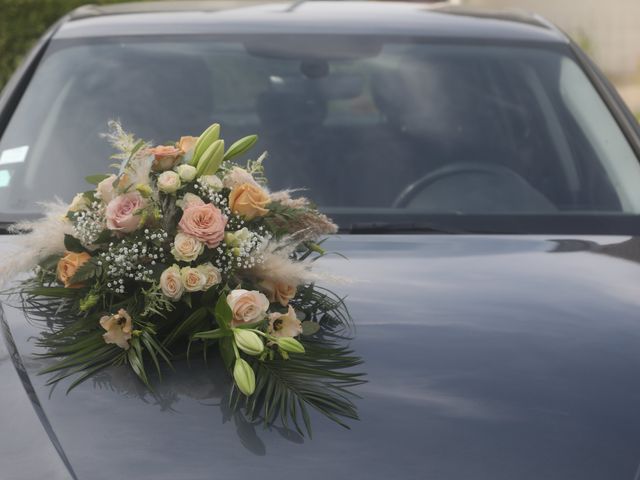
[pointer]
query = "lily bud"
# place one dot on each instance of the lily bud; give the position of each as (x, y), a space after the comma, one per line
(290, 344)
(88, 302)
(249, 342)
(244, 377)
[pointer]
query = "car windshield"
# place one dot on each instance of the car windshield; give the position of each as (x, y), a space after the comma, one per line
(376, 130)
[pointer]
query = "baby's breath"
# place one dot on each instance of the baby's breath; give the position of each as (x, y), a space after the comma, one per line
(89, 223)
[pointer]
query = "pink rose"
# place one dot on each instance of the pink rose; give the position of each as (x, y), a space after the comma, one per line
(123, 212)
(205, 222)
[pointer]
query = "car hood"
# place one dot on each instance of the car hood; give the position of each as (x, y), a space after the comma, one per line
(495, 357)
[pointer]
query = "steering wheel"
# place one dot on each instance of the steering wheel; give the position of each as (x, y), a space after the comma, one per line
(486, 188)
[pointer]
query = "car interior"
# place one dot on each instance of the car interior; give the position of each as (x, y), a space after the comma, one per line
(448, 132)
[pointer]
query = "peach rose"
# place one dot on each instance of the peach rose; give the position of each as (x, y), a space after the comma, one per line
(205, 222)
(186, 144)
(165, 157)
(278, 291)
(124, 212)
(249, 201)
(68, 265)
(118, 328)
(247, 306)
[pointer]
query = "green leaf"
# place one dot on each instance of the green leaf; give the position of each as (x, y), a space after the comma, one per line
(226, 351)
(193, 322)
(240, 146)
(72, 244)
(213, 334)
(86, 272)
(95, 179)
(310, 328)
(103, 237)
(224, 315)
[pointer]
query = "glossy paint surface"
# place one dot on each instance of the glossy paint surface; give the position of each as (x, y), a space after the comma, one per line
(487, 357)
(334, 18)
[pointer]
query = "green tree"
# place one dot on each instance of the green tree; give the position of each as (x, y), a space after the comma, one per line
(23, 21)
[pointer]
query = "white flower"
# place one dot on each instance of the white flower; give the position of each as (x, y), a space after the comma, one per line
(213, 275)
(104, 190)
(186, 248)
(212, 181)
(193, 279)
(247, 306)
(235, 239)
(78, 203)
(118, 328)
(237, 176)
(285, 324)
(169, 182)
(171, 283)
(187, 172)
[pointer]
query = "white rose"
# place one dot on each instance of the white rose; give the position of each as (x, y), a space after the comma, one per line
(78, 203)
(237, 176)
(187, 172)
(247, 306)
(193, 279)
(104, 190)
(186, 248)
(169, 182)
(212, 181)
(171, 283)
(213, 275)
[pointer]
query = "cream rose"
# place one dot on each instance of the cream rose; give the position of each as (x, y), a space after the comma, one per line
(118, 328)
(78, 203)
(205, 222)
(212, 181)
(68, 265)
(285, 324)
(212, 274)
(236, 177)
(124, 212)
(193, 279)
(171, 283)
(165, 157)
(278, 291)
(186, 248)
(169, 182)
(187, 172)
(249, 201)
(247, 306)
(104, 190)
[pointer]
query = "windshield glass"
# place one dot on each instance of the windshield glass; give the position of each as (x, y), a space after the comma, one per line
(376, 130)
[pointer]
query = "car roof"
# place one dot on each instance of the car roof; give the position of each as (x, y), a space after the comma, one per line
(306, 17)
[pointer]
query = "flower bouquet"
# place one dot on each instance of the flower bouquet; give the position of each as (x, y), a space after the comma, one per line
(182, 251)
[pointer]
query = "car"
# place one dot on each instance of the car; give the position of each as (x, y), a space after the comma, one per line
(484, 175)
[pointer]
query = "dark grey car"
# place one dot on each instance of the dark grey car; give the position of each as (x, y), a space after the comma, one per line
(486, 182)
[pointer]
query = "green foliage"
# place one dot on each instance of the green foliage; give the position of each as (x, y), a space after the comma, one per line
(22, 22)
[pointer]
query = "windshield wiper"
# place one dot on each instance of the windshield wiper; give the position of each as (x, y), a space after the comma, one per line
(410, 227)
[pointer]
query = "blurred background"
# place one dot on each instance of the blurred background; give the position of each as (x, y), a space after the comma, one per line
(609, 31)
